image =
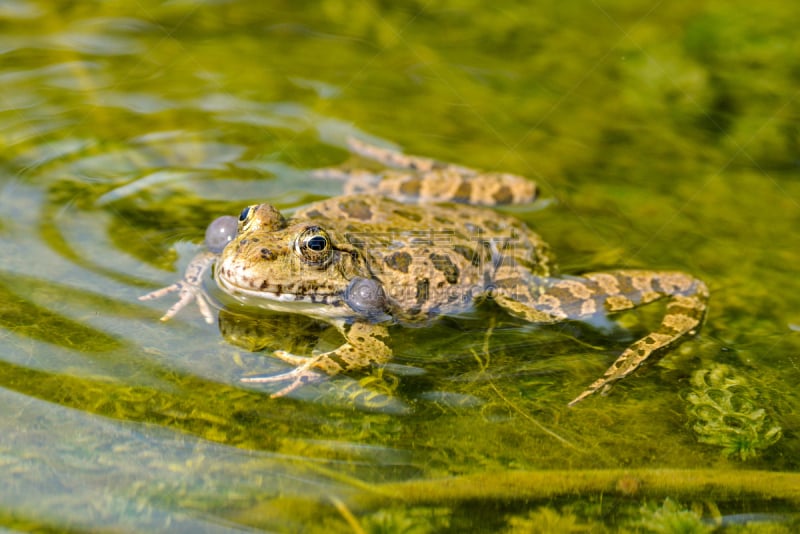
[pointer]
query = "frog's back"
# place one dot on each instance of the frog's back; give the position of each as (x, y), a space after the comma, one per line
(367, 213)
(431, 258)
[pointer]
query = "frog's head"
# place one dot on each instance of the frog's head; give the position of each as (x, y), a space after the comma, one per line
(290, 266)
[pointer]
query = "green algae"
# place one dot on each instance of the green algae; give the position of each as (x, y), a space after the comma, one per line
(26, 318)
(689, 484)
(559, 501)
(667, 136)
(545, 520)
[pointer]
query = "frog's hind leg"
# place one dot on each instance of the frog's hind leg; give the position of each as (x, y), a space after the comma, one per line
(554, 299)
(427, 180)
(398, 160)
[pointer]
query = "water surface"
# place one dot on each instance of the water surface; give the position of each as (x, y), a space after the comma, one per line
(662, 136)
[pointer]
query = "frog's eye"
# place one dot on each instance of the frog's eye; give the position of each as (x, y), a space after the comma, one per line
(317, 243)
(246, 217)
(246, 213)
(313, 246)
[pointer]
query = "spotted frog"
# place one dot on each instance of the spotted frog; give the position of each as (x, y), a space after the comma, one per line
(372, 258)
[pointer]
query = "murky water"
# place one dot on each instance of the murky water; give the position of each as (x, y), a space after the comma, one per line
(662, 136)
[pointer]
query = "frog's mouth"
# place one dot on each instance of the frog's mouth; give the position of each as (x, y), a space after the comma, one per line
(280, 297)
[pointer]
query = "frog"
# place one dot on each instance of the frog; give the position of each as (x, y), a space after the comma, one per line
(411, 243)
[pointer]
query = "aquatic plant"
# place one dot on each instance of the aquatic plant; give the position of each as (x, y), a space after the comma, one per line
(671, 518)
(415, 520)
(545, 520)
(724, 412)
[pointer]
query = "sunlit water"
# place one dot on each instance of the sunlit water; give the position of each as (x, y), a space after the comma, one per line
(662, 137)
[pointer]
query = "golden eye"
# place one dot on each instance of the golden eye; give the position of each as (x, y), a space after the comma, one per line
(314, 246)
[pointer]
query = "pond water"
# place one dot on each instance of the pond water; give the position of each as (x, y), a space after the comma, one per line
(662, 136)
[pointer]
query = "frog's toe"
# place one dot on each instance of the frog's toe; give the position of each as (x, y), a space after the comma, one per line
(299, 376)
(186, 294)
(188, 289)
(601, 386)
(292, 359)
(158, 293)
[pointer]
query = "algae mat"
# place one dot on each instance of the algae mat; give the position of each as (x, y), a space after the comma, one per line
(661, 135)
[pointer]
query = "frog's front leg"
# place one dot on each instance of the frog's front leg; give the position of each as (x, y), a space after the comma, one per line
(218, 234)
(550, 300)
(365, 344)
(188, 289)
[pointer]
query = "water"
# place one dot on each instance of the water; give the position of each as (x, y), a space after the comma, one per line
(662, 136)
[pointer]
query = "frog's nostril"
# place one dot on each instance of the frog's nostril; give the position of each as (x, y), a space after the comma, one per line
(266, 254)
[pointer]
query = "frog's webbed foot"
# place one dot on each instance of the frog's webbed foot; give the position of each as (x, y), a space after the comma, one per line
(188, 289)
(365, 345)
(551, 300)
(299, 376)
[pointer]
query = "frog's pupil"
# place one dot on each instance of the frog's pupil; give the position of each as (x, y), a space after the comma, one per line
(244, 214)
(317, 243)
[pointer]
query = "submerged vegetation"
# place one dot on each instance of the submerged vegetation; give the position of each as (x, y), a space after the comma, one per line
(671, 518)
(662, 135)
(725, 411)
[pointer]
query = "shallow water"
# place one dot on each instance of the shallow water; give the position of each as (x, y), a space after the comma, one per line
(662, 136)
